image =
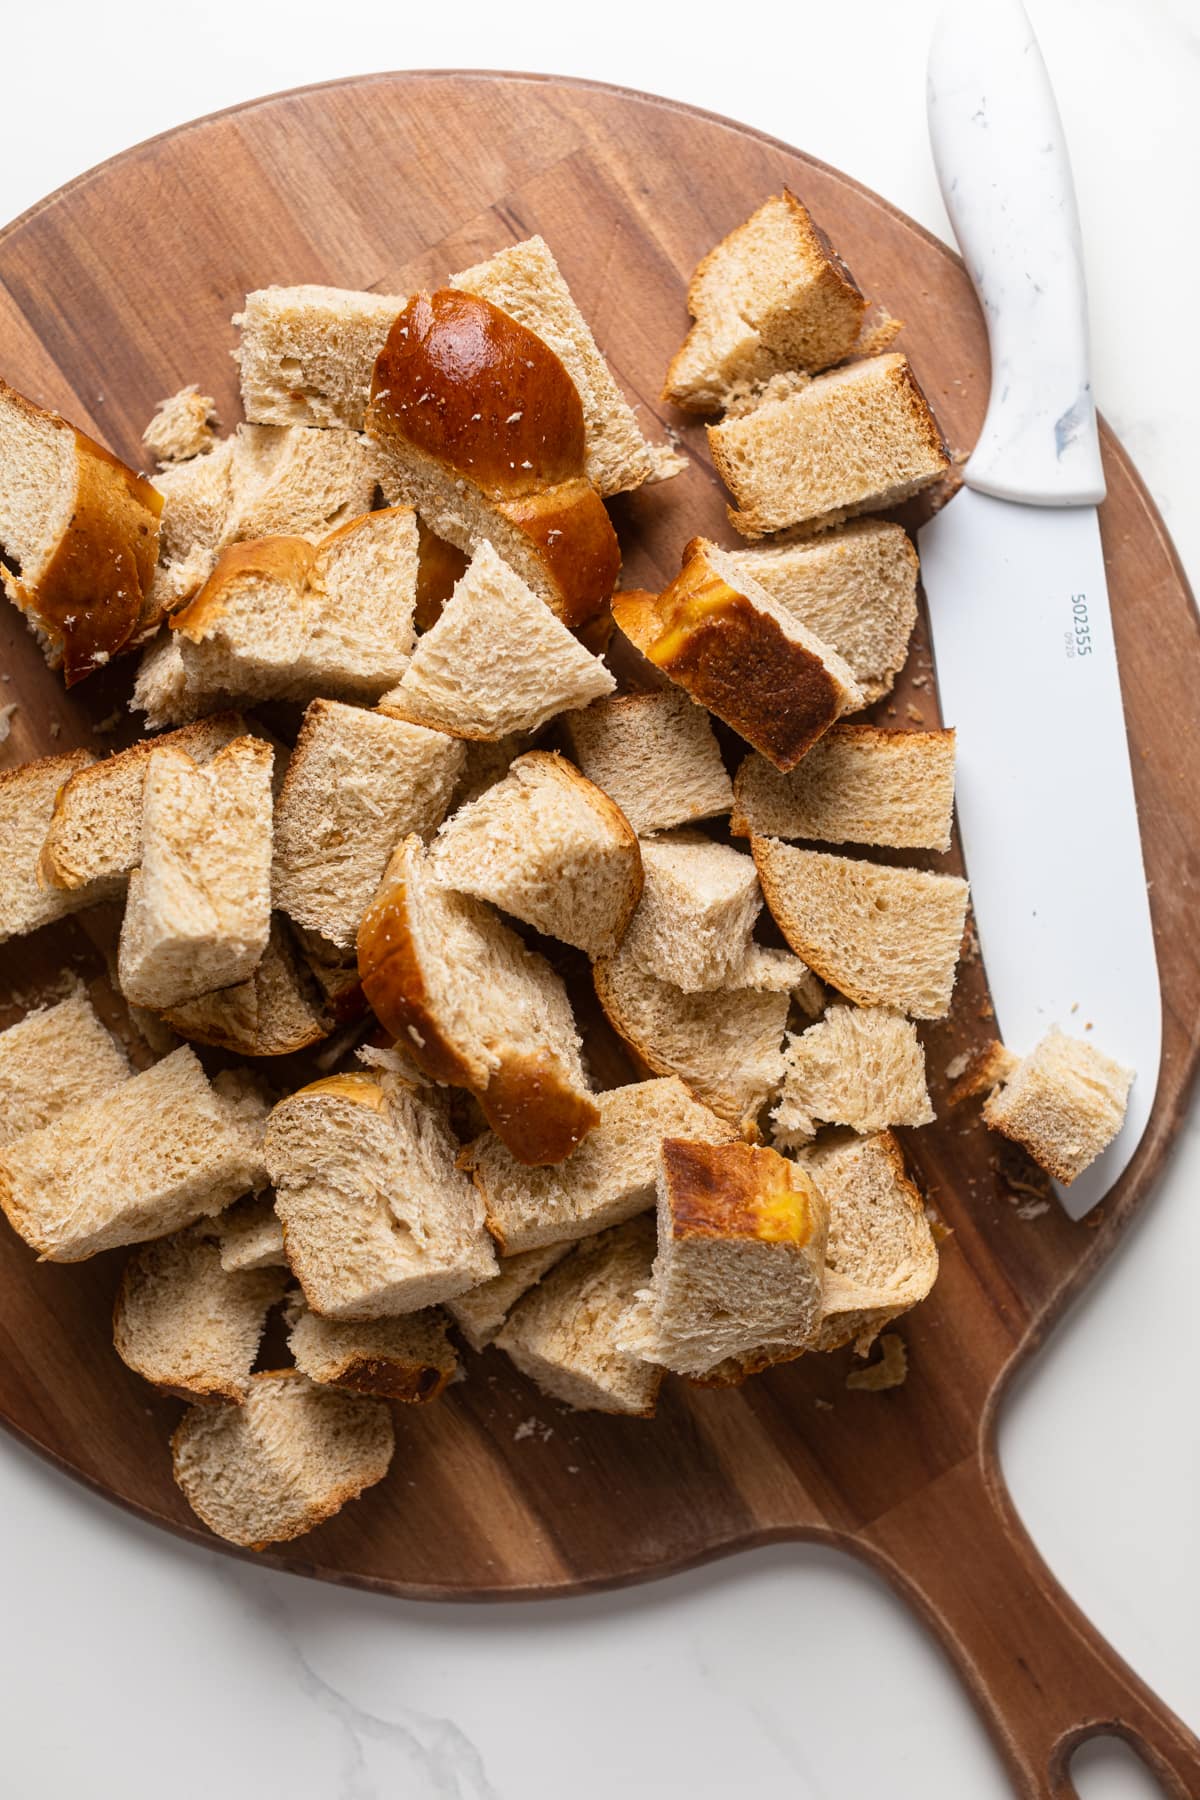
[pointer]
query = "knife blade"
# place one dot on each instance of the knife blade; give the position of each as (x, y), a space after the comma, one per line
(1013, 570)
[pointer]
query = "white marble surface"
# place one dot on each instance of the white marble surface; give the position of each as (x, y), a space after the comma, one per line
(135, 1665)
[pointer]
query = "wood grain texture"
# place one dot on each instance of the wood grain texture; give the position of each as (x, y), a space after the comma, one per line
(119, 289)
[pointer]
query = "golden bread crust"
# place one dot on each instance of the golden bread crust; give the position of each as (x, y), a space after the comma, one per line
(92, 599)
(733, 659)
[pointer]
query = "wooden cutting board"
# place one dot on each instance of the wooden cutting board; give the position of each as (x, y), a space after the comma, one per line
(120, 288)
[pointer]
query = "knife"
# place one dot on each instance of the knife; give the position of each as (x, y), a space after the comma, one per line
(1013, 571)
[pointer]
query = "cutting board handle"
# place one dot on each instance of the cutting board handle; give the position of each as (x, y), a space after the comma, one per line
(1041, 1675)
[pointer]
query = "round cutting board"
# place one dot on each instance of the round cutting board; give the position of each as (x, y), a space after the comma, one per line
(119, 289)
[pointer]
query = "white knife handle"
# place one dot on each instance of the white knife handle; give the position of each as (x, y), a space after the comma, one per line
(1006, 179)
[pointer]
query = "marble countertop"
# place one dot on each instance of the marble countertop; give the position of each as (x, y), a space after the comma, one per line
(135, 1664)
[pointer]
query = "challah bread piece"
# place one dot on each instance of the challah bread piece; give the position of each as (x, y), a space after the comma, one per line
(881, 936)
(547, 846)
(95, 833)
(859, 438)
(182, 426)
(27, 797)
(727, 1047)
(139, 1161)
(408, 1358)
(772, 295)
(563, 1334)
(475, 1008)
(855, 589)
(161, 689)
(55, 1058)
(479, 1314)
(251, 1236)
(480, 427)
(739, 653)
(1064, 1102)
(198, 914)
(741, 1252)
(857, 785)
(306, 353)
(654, 754)
(858, 1066)
(607, 1180)
(285, 1460)
(881, 1257)
(525, 281)
(496, 662)
(377, 1220)
(280, 618)
(697, 911)
(277, 1010)
(79, 537)
(357, 784)
(263, 481)
(186, 1323)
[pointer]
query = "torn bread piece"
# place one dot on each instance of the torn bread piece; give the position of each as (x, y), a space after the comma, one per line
(479, 426)
(277, 1010)
(306, 353)
(858, 785)
(699, 903)
(182, 426)
(525, 282)
(144, 1159)
(855, 589)
(727, 1047)
(722, 638)
(55, 1058)
(281, 618)
(609, 1178)
(1064, 1103)
(858, 1066)
(286, 1459)
(772, 295)
(655, 755)
(859, 438)
(95, 833)
(377, 1219)
(881, 1258)
(357, 785)
(770, 970)
(741, 1251)
(475, 1008)
(562, 1335)
(78, 539)
(27, 798)
(198, 914)
(549, 847)
(882, 936)
(186, 1323)
(263, 481)
(408, 1358)
(480, 1313)
(496, 662)
(251, 1235)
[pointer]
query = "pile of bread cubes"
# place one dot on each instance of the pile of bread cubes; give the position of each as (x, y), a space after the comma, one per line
(409, 540)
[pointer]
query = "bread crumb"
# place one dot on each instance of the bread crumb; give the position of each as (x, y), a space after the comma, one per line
(109, 724)
(890, 1371)
(6, 714)
(956, 1066)
(915, 714)
(822, 1405)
